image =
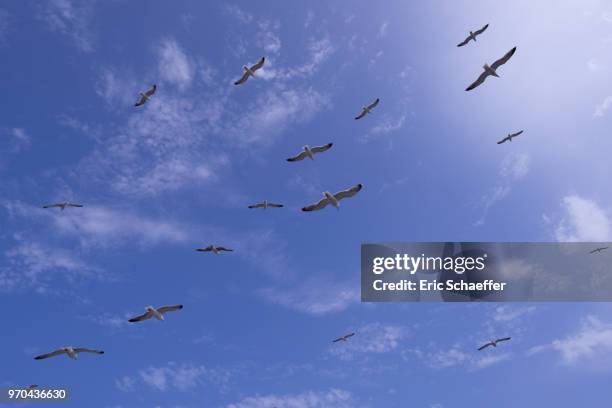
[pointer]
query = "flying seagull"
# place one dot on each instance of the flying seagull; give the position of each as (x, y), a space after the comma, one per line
(493, 343)
(509, 137)
(214, 249)
(249, 72)
(309, 152)
(344, 338)
(144, 96)
(63, 205)
(491, 70)
(472, 36)
(156, 313)
(333, 199)
(367, 109)
(69, 351)
(266, 204)
(596, 250)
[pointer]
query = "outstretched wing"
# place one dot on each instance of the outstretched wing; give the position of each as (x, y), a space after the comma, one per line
(207, 249)
(361, 115)
(299, 157)
(479, 81)
(481, 30)
(145, 316)
(503, 339)
(75, 205)
(348, 193)
(149, 92)
(52, 205)
(320, 149)
(275, 205)
(259, 64)
(373, 104)
(503, 59)
(51, 354)
(484, 347)
(517, 133)
(141, 101)
(165, 309)
(243, 79)
(318, 206)
(224, 249)
(260, 205)
(461, 44)
(86, 350)
(504, 140)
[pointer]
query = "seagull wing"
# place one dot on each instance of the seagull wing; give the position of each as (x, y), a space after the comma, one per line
(479, 81)
(348, 193)
(504, 140)
(207, 249)
(481, 30)
(141, 101)
(462, 43)
(275, 205)
(165, 309)
(86, 350)
(258, 65)
(361, 115)
(503, 59)
(243, 79)
(349, 335)
(75, 205)
(517, 133)
(320, 149)
(149, 92)
(260, 205)
(145, 316)
(318, 206)
(224, 249)
(484, 346)
(51, 354)
(373, 104)
(299, 157)
(503, 339)
(52, 205)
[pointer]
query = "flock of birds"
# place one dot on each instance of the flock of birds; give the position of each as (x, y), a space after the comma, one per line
(327, 199)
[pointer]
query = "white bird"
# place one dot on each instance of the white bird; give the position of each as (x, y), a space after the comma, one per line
(344, 338)
(214, 249)
(266, 204)
(250, 72)
(156, 313)
(333, 199)
(144, 96)
(367, 109)
(472, 36)
(69, 351)
(596, 250)
(63, 205)
(491, 70)
(493, 343)
(310, 152)
(509, 137)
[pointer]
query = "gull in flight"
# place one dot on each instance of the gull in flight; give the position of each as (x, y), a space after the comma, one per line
(493, 343)
(597, 250)
(509, 137)
(214, 249)
(69, 351)
(250, 72)
(472, 36)
(144, 96)
(266, 204)
(491, 70)
(156, 313)
(63, 205)
(367, 109)
(344, 338)
(333, 199)
(310, 152)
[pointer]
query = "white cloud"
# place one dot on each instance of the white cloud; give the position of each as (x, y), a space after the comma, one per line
(71, 18)
(508, 314)
(373, 338)
(174, 64)
(382, 30)
(13, 140)
(334, 398)
(456, 356)
(238, 13)
(603, 107)
(387, 125)
(181, 377)
(584, 220)
(592, 342)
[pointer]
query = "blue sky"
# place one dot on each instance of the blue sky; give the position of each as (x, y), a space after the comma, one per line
(158, 182)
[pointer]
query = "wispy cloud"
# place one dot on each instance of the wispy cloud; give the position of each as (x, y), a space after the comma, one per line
(603, 107)
(373, 338)
(583, 220)
(175, 66)
(335, 398)
(71, 18)
(386, 126)
(455, 356)
(382, 30)
(238, 13)
(13, 140)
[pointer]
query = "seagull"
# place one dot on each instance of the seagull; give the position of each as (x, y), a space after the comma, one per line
(249, 72)
(343, 338)
(63, 205)
(367, 109)
(472, 36)
(509, 137)
(597, 250)
(156, 313)
(494, 343)
(309, 152)
(144, 96)
(266, 204)
(214, 249)
(69, 351)
(333, 199)
(491, 70)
